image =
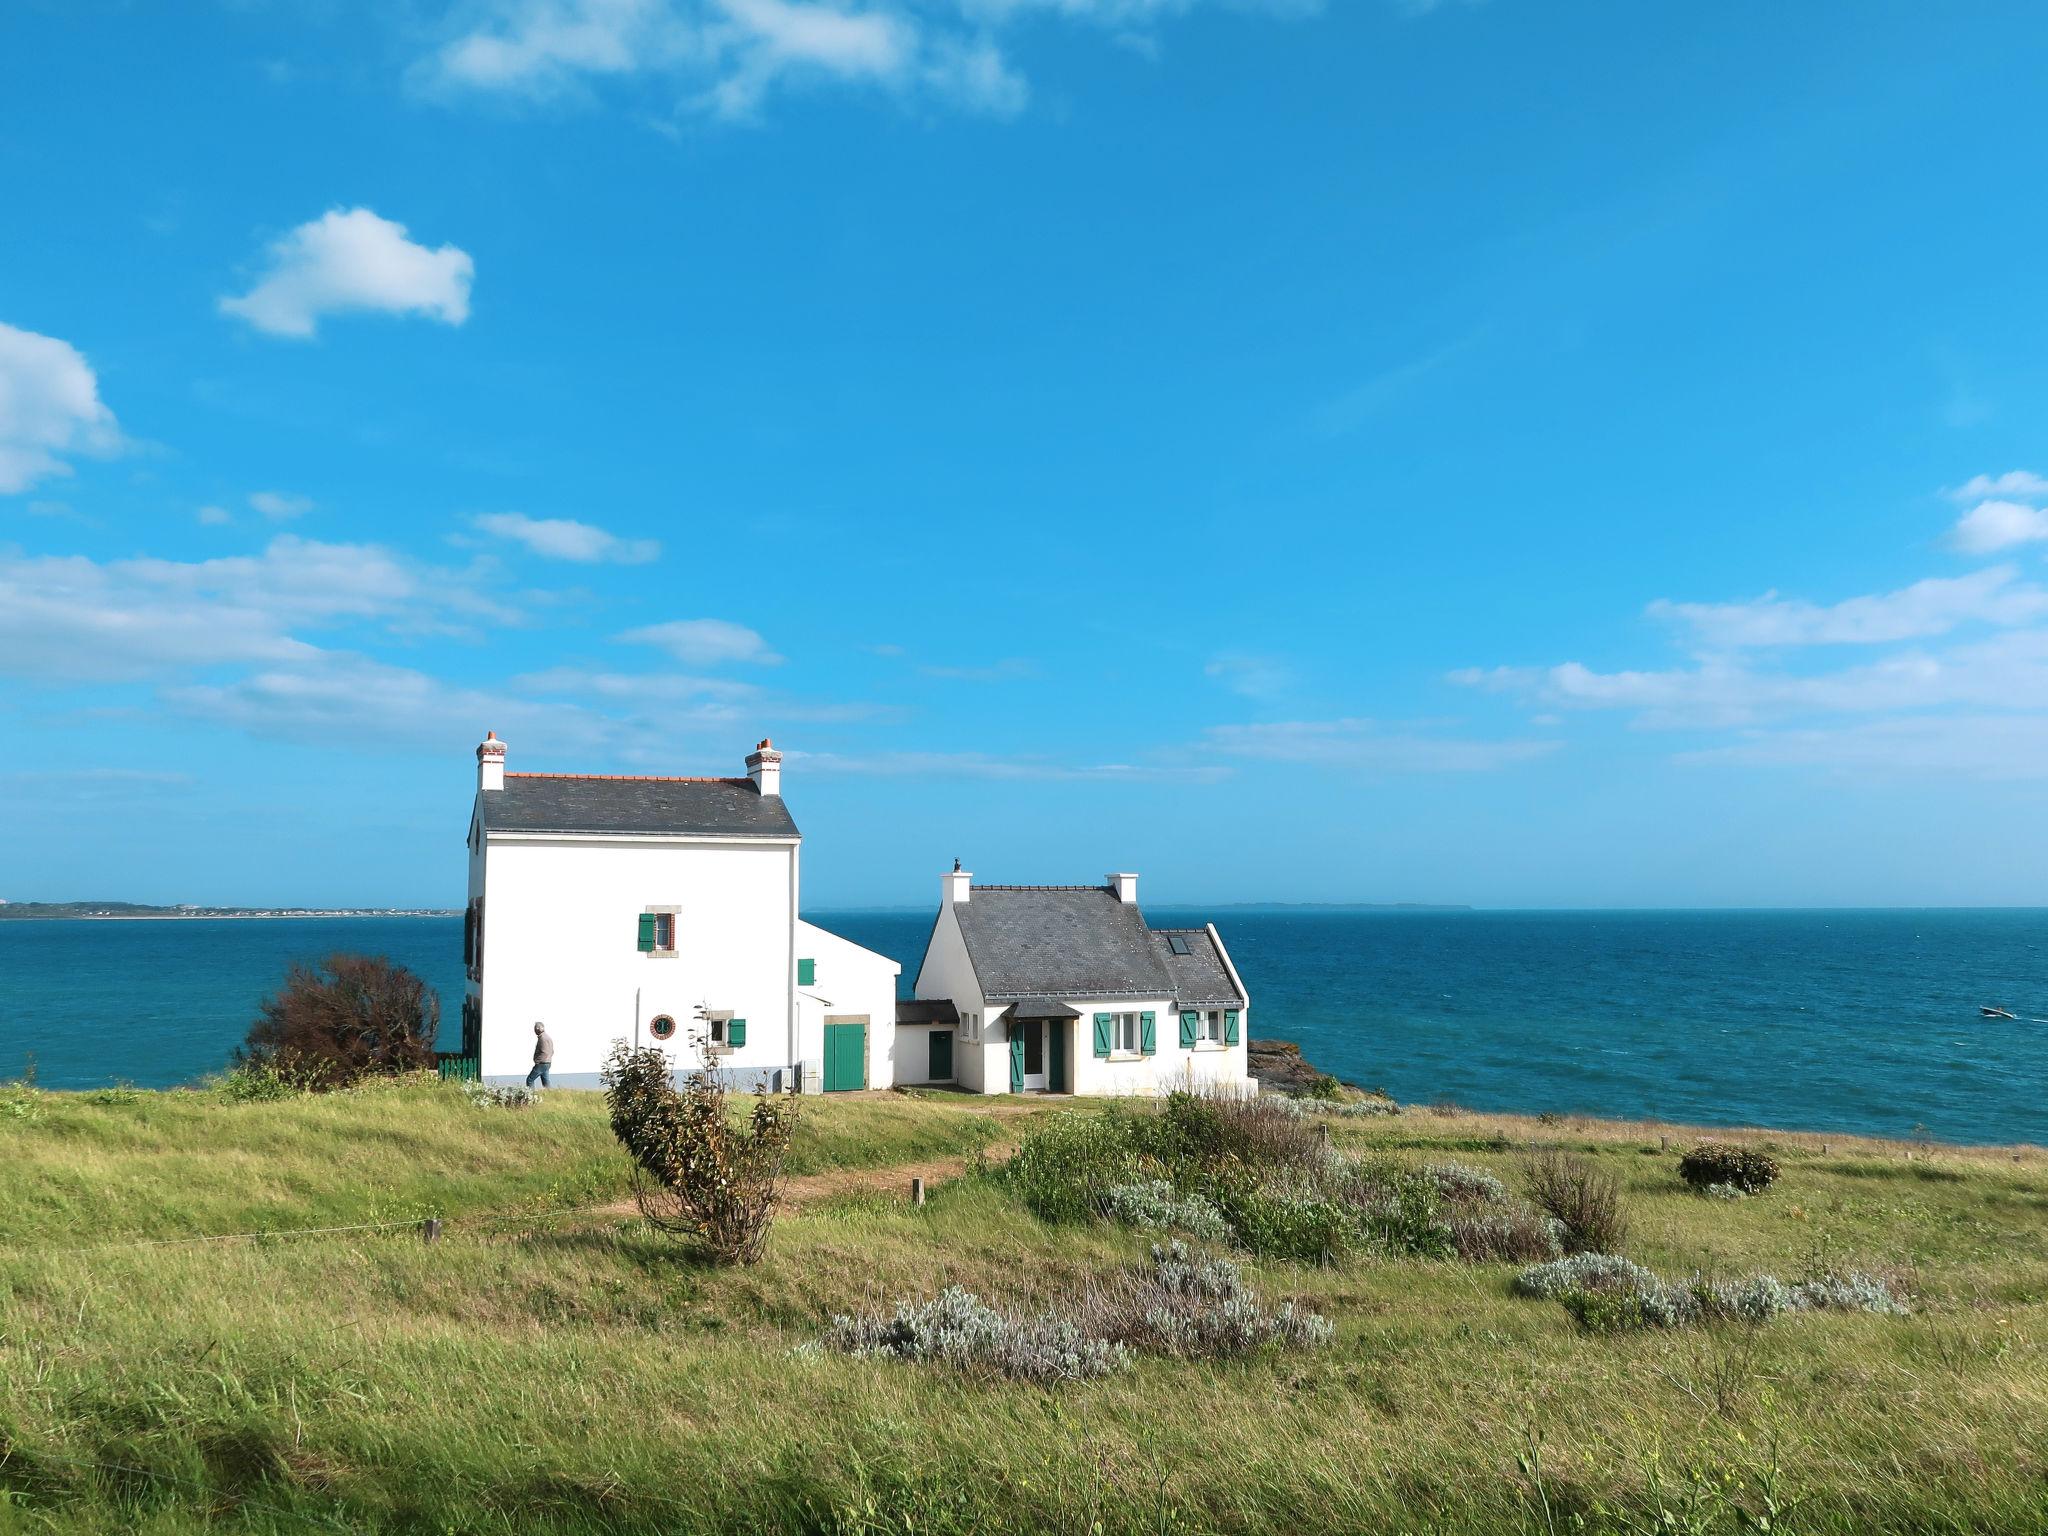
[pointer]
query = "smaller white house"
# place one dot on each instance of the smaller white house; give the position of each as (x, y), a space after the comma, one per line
(1066, 989)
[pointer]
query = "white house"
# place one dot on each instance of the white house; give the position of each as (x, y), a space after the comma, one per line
(662, 911)
(1066, 989)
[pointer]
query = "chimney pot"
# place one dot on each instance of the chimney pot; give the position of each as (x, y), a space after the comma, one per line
(956, 884)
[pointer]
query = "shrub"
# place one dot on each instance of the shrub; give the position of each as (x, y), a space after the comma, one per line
(1721, 1162)
(1853, 1292)
(1258, 1131)
(1459, 1182)
(1398, 1211)
(1516, 1235)
(350, 1017)
(1359, 1109)
(1585, 1199)
(1066, 1165)
(1606, 1293)
(1154, 1203)
(482, 1095)
(698, 1172)
(1202, 1309)
(1285, 1224)
(957, 1328)
(255, 1082)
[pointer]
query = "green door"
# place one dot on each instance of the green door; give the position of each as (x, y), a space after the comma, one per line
(846, 1057)
(942, 1056)
(1055, 1056)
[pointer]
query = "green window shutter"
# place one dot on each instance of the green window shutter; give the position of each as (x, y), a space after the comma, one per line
(735, 1031)
(807, 973)
(1190, 1027)
(1104, 1024)
(1016, 1060)
(1148, 1033)
(646, 932)
(1230, 1027)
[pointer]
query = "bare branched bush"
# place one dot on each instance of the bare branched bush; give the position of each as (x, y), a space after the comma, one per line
(700, 1171)
(1582, 1196)
(350, 1017)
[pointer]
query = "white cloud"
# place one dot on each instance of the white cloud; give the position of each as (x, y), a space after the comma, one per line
(1008, 670)
(50, 407)
(1994, 525)
(1931, 607)
(561, 538)
(70, 618)
(704, 642)
(278, 506)
(2021, 483)
(1372, 745)
(214, 517)
(1989, 746)
(725, 56)
(351, 261)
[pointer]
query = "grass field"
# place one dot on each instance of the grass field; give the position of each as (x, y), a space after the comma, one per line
(549, 1365)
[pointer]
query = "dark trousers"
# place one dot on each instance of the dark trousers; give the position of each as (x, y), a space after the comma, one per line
(539, 1074)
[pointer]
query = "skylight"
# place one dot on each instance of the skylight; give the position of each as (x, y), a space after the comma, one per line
(1177, 943)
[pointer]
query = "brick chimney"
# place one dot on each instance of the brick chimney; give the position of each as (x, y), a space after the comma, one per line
(956, 884)
(764, 767)
(1126, 888)
(490, 763)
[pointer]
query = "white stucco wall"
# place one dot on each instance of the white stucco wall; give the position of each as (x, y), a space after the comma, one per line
(947, 973)
(850, 981)
(561, 946)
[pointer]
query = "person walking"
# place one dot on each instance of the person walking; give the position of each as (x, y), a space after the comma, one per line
(543, 1055)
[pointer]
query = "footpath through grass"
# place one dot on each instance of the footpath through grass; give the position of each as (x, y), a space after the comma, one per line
(548, 1368)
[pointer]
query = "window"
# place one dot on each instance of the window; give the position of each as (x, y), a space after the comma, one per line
(1127, 1036)
(1213, 1028)
(727, 1032)
(663, 1027)
(658, 931)
(1178, 943)
(970, 1027)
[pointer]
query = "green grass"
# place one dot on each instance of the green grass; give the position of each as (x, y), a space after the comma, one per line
(549, 1368)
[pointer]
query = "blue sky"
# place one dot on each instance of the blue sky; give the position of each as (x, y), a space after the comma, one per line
(1508, 453)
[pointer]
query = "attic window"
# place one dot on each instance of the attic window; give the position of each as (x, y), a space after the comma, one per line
(1178, 944)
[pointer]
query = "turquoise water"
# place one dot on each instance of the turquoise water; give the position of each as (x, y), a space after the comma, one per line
(1845, 1021)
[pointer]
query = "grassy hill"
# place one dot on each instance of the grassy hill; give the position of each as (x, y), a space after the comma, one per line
(550, 1365)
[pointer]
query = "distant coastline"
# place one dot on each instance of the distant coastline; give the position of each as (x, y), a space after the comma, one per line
(134, 911)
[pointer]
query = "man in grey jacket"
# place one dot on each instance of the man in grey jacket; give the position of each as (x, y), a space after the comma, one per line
(543, 1055)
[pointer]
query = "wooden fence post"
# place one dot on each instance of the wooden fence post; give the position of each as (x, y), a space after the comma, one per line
(917, 1191)
(430, 1230)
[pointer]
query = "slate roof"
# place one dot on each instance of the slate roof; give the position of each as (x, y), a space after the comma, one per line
(1200, 979)
(1040, 942)
(573, 802)
(926, 1010)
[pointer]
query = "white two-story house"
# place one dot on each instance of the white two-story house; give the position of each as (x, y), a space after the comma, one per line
(661, 911)
(1066, 989)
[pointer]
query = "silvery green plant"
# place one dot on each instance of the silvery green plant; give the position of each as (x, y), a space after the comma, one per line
(1852, 1292)
(482, 1095)
(1155, 1204)
(1202, 1307)
(1462, 1182)
(957, 1328)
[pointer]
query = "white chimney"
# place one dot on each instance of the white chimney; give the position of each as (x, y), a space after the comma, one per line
(1126, 888)
(956, 884)
(764, 767)
(490, 763)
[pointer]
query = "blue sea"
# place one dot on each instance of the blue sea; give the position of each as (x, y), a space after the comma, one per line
(1843, 1021)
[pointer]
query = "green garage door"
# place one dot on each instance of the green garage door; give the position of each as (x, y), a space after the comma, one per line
(846, 1054)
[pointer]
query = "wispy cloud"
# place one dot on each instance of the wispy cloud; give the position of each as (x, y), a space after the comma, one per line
(2007, 512)
(725, 57)
(1373, 745)
(50, 409)
(278, 506)
(349, 260)
(978, 765)
(561, 538)
(1934, 606)
(1009, 669)
(1250, 676)
(705, 642)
